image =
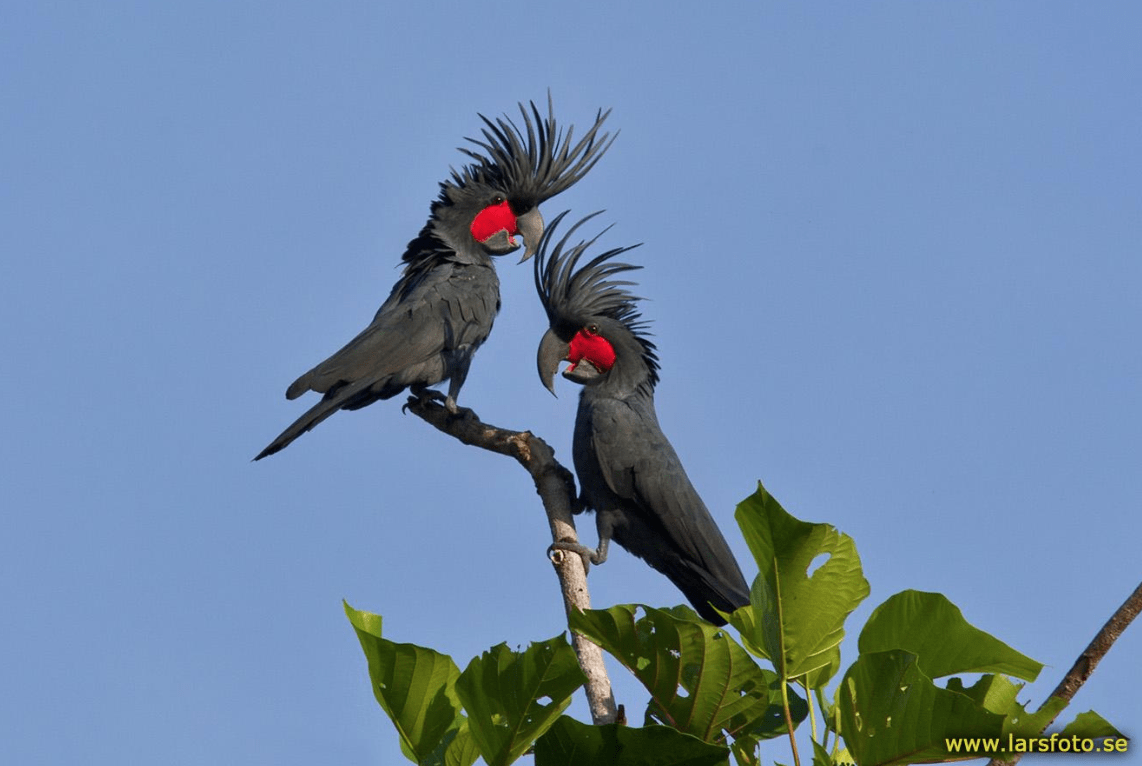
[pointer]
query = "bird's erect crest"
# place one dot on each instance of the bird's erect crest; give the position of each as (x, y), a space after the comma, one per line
(574, 296)
(537, 161)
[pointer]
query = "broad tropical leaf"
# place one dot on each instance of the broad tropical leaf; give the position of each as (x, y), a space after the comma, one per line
(416, 688)
(892, 713)
(700, 680)
(933, 628)
(502, 692)
(796, 620)
(998, 694)
(571, 743)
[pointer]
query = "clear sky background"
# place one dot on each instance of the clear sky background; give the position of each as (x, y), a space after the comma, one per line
(893, 252)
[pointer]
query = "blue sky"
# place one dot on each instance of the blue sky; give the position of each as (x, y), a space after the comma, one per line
(892, 252)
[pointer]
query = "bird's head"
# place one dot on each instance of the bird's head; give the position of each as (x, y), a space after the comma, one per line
(483, 219)
(594, 322)
(590, 353)
(487, 204)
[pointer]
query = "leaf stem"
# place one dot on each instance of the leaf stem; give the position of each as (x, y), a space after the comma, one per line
(789, 722)
(820, 695)
(809, 700)
(784, 665)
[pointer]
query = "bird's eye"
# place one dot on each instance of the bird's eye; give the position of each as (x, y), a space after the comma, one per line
(592, 329)
(497, 199)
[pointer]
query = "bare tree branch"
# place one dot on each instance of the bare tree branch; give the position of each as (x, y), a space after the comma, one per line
(1089, 659)
(556, 488)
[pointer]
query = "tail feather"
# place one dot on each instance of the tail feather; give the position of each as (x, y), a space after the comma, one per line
(703, 589)
(313, 416)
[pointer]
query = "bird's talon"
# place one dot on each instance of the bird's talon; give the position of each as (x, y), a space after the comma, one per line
(557, 553)
(463, 413)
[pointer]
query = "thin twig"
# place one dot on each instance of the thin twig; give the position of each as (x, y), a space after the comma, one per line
(556, 488)
(1089, 659)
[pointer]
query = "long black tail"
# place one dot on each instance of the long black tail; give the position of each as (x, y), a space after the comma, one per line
(703, 588)
(332, 402)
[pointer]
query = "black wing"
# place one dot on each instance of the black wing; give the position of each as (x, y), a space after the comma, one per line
(421, 335)
(667, 523)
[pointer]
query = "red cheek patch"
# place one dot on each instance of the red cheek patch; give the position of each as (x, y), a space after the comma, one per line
(594, 348)
(493, 219)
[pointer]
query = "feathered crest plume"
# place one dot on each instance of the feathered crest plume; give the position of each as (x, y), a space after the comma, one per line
(535, 162)
(573, 296)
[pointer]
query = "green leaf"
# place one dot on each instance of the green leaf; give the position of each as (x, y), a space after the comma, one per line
(934, 629)
(998, 694)
(892, 713)
(503, 691)
(415, 687)
(822, 757)
(571, 743)
(461, 750)
(700, 680)
(1090, 725)
(818, 677)
(796, 620)
(745, 753)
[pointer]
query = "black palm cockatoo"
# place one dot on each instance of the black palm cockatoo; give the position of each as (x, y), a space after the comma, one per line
(442, 307)
(628, 472)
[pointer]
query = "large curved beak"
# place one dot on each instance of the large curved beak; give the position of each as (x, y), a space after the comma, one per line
(530, 226)
(582, 373)
(552, 351)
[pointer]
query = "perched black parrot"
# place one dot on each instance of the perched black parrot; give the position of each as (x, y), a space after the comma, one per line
(442, 307)
(628, 472)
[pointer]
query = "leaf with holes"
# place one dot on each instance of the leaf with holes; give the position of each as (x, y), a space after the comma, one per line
(933, 628)
(415, 686)
(700, 680)
(796, 619)
(998, 694)
(892, 713)
(571, 743)
(502, 692)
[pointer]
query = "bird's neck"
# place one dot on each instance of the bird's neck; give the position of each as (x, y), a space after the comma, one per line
(623, 384)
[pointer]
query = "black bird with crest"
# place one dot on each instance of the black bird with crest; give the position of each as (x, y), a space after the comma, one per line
(442, 308)
(629, 474)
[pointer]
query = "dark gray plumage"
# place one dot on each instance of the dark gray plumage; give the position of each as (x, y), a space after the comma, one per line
(443, 306)
(628, 471)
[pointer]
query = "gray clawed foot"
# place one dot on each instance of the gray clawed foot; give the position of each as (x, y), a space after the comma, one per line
(456, 410)
(422, 396)
(589, 555)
